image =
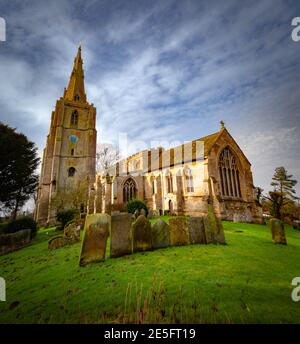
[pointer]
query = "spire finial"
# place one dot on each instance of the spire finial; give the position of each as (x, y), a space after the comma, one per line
(222, 124)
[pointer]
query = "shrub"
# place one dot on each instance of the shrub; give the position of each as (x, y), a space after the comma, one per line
(136, 204)
(20, 224)
(65, 216)
(3, 227)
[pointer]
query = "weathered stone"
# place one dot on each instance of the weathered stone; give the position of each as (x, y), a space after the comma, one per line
(160, 234)
(57, 242)
(278, 233)
(179, 233)
(96, 232)
(14, 241)
(236, 218)
(143, 212)
(141, 234)
(214, 231)
(196, 230)
(72, 232)
(121, 239)
(71, 236)
(136, 214)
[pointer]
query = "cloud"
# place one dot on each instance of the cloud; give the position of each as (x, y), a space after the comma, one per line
(161, 70)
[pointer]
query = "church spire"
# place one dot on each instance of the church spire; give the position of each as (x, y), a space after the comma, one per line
(75, 90)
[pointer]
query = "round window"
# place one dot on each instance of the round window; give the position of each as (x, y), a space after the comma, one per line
(73, 138)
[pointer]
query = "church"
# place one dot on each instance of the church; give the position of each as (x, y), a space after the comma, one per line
(178, 181)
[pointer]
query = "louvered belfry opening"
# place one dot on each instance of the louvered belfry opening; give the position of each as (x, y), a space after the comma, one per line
(229, 175)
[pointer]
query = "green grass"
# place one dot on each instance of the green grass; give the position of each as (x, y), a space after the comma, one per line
(246, 281)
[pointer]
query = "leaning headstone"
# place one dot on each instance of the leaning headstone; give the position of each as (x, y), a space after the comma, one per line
(57, 242)
(160, 234)
(277, 229)
(196, 230)
(120, 239)
(214, 231)
(96, 232)
(179, 233)
(72, 232)
(141, 235)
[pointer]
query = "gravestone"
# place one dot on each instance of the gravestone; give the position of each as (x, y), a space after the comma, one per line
(196, 230)
(143, 212)
(72, 232)
(179, 233)
(120, 239)
(278, 233)
(160, 234)
(96, 232)
(57, 242)
(71, 236)
(136, 214)
(214, 231)
(236, 217)
(141, 234)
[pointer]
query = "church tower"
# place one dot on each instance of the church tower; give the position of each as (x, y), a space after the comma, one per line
(69, 158)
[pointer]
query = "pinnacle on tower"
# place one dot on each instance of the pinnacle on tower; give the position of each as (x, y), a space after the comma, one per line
(75, 90)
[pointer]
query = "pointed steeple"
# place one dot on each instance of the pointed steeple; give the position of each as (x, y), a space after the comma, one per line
(75, 90)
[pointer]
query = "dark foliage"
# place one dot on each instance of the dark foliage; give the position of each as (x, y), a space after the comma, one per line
(20, 224)
(136, 204)
(65, 216)
(18, 164)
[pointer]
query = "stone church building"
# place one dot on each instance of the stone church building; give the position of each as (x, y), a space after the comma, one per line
(182, 180)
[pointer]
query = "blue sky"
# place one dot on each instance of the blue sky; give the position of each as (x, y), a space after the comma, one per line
(161, 70)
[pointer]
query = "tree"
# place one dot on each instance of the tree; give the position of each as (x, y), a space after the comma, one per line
(283, 192)
(18, 164)
(107, 155)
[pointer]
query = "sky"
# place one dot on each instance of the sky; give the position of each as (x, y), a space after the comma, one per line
(161, 71)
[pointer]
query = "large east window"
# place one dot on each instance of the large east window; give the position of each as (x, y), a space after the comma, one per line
(229, 174)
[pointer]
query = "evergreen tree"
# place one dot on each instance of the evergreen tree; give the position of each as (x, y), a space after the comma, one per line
(283, 192)
(18, 164)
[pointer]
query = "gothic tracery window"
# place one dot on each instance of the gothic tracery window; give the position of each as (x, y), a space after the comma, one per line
(189, 180)
(74, 118)
(129, 190)
(229, 174)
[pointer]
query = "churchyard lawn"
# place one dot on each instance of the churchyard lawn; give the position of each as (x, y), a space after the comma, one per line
(246, 281)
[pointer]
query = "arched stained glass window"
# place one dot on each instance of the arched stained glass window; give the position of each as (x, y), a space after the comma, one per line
(229, 174)
(129, 190)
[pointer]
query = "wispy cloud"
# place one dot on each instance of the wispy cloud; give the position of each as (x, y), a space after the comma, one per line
(161, 70)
